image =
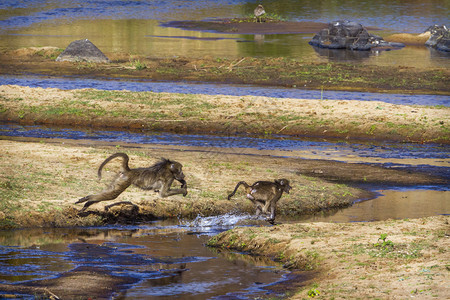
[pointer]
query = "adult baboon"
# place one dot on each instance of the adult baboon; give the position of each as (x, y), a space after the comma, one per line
(158, 177)
(265, 194)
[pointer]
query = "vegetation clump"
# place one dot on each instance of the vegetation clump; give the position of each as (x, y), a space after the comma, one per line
(265, 18)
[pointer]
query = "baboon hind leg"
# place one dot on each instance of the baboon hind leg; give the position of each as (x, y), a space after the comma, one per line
(258, 209)
(271, 218)
(271, 204)
(273, 208)
(112, 192)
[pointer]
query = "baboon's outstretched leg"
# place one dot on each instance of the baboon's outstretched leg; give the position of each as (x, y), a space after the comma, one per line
(112, 192)
(171, 192)
(259, 206)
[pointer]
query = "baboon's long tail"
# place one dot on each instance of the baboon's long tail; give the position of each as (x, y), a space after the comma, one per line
(125, 166)
(237, 186)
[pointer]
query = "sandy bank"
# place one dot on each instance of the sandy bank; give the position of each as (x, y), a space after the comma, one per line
(229, 115)
(394, 259)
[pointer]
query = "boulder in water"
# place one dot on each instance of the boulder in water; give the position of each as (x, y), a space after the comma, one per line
(349, 35)
(439, 39)
(82, 50)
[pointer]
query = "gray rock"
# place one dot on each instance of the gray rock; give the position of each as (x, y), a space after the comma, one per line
(349, 35)
(439, 39)
(82, 50)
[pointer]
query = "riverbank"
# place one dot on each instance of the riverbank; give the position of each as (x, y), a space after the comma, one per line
(224, 115)
(263, 71)
(43, 178)
(393, 259)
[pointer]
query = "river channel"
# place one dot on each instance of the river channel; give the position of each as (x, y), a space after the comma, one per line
(163, 260)
(219, 89)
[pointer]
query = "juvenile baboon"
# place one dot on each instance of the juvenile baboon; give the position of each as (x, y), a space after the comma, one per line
(265, 194)
(158, 177)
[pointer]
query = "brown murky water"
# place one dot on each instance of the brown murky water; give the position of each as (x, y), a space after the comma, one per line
(391, 204)
(162, 260)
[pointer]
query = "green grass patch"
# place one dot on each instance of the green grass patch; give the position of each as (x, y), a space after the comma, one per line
(11, 191)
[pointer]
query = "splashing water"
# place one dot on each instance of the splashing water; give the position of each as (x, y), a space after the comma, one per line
(214, 224)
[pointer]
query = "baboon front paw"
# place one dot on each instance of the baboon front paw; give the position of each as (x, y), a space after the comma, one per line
(185, 193)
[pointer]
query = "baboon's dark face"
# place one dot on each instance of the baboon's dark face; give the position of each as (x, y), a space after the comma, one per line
(176, 169)
(285, 185)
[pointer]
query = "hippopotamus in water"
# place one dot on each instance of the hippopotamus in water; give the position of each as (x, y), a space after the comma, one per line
(439, 39)
(82, 50)
(349, 35)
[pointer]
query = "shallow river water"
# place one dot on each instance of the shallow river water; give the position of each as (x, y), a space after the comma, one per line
(165, 259)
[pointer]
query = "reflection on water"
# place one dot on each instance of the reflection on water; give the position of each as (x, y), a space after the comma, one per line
(133, 27)
(420, 57)
(396, 15)
(164, 260)
(391, 204)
